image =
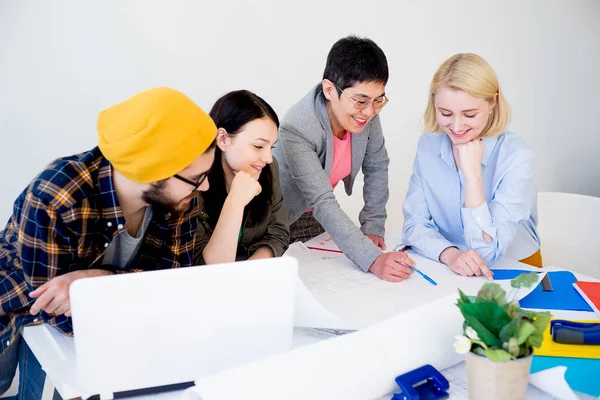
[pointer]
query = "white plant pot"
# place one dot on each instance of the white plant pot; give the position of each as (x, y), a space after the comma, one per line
(492, 380)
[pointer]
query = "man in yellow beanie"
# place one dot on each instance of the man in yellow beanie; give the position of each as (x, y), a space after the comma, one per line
(127, 205)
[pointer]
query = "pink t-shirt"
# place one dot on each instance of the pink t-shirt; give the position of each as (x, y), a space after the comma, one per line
(342, 159)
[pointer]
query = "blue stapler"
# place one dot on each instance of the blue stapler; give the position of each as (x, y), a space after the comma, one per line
(570, 332)
(424, 383)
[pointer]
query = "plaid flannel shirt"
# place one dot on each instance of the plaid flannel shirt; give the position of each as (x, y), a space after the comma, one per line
(63, 222)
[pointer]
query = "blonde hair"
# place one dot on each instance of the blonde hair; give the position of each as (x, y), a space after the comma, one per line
(472, 74)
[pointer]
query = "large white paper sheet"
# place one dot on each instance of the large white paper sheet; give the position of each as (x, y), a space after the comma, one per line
(309, 313)
(360, 365)
(361, 299)
(323, 242)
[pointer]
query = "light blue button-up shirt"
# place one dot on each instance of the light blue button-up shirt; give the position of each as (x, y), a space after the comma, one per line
(434, 214)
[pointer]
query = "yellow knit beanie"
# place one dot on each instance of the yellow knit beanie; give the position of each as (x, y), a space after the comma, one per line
(154, 134)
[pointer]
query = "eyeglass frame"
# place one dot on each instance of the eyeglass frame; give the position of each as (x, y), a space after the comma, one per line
(371, 101)
(196, 185)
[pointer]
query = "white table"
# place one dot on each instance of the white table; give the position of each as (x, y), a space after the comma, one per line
(35, 338)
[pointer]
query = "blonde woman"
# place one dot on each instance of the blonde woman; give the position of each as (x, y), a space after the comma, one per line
(472, 197)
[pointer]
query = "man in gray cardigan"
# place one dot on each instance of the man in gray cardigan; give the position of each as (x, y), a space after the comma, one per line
(329, 135)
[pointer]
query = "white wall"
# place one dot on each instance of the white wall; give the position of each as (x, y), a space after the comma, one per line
(61, 62)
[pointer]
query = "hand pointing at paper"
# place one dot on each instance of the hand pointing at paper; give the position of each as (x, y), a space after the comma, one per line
(467, 263)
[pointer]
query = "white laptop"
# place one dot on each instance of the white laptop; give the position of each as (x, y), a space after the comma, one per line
(160, 328)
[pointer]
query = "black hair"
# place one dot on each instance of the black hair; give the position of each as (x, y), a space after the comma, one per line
(353, 60)
(231, 112)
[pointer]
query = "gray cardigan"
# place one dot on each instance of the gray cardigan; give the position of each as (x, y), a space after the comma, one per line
(305, 156)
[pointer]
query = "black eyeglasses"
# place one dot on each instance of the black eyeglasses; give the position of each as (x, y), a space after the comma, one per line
(196, 185)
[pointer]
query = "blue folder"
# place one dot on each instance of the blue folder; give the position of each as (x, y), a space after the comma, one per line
(563, 297)
(581, 375)
(504, 274)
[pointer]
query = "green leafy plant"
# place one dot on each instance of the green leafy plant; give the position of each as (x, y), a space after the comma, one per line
(496, 327)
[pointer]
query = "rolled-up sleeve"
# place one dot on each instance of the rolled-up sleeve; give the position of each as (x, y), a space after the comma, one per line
(500, 218)
(476, 221)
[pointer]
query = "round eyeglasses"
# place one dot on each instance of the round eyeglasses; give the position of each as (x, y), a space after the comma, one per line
(378, 103)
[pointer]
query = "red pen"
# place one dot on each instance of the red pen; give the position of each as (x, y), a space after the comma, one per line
(330, 250)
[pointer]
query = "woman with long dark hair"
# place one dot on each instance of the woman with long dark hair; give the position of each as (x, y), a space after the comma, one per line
(242, 215)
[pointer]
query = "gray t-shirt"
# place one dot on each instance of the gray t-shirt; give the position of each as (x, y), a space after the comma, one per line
(124, 247)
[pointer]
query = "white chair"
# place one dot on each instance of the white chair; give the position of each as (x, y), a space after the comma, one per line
(569, 228)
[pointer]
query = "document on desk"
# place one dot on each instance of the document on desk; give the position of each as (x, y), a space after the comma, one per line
(64, 343)
(55, 348)
(323, 242)
(358, 365)
(341, 371)
(309, 313)
(361, 299)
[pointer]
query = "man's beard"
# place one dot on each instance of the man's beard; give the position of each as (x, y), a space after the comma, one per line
(156, 197)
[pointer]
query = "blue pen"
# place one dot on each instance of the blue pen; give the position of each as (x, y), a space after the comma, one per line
(418, 271)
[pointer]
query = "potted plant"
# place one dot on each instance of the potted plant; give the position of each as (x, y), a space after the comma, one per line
(498, 340)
